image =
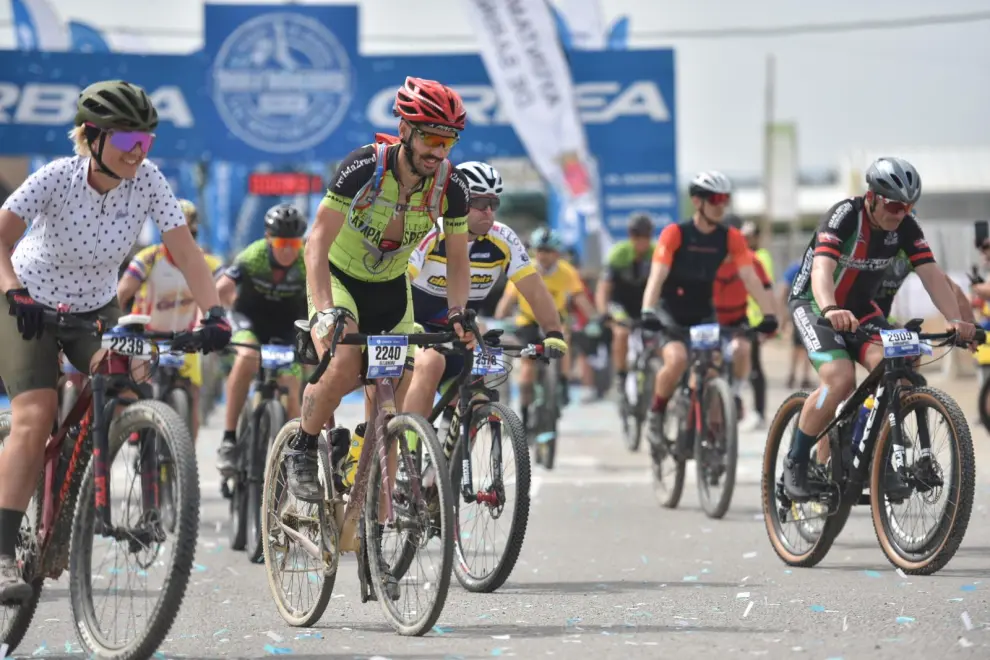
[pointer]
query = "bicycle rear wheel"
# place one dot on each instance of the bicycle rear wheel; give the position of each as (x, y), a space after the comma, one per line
(925, 551)
(271, 422)
(147, 544)
(484, 564)
(16, 619)
(237, 534)
(423, 523)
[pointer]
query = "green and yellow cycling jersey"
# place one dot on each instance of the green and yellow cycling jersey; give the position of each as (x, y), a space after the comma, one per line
(359, 249)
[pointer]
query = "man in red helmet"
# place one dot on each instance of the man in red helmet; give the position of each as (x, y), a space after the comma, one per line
(382, 201)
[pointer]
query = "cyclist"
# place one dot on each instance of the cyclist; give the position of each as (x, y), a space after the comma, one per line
(265, 289)
(685, 262)
(843, 267)
(623, 283)
(895, 275)
(751, 232)
(383, 200)
(155, 286)
(729, 296)
(84, 213)
(493, 249)
(564, 284)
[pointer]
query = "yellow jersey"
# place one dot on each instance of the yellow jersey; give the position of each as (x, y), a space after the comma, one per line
(752, 307)
(164, 294)
(563, 282)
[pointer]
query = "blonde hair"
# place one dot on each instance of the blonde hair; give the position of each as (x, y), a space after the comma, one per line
(77, 134)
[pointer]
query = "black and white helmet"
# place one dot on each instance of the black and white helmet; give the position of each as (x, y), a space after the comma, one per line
(894, 178)
(482, 178)
(711, 182)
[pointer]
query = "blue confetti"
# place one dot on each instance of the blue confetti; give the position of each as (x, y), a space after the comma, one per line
(690, 578)
(872, 574)
(309, 635)
(904, 620)
(573, 621)
(643, 557)
(199, 567)
(968, 587)
(160, 655)
(219, 632)
(817, 608)
(277, 650)
(497, 651)
(440, 630)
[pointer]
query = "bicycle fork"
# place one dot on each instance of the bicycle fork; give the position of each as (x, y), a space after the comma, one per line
(490, 496)
(102, 411)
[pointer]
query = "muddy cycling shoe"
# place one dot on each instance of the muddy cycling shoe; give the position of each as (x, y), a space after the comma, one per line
(303, 475)
(227, 458)
(796, 484)
(13, 589)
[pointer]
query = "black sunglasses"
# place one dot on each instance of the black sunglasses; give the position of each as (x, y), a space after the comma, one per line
(482, 203)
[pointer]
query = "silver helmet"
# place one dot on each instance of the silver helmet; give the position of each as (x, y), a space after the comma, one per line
(894, 178)
(710, 183)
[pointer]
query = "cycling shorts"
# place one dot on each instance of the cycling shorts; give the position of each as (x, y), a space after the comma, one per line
(826, 345)
(245, 333)
(677, 328)
(33, 364)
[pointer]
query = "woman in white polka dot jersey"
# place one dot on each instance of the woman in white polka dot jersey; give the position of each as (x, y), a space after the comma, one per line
(82, 215)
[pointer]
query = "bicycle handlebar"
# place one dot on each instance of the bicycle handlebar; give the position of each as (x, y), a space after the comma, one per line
(980, 336)
(182, 341)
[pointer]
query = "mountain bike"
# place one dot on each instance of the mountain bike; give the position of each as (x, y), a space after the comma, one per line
(699, 423)
(257, 428)
(477, 426)
(544, 412)
(416, 513)
(856, 462)
(71, 507)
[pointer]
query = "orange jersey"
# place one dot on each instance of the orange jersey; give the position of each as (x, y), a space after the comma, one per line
(729, 293)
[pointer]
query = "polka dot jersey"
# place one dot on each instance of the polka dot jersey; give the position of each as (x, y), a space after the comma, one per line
(78, 238)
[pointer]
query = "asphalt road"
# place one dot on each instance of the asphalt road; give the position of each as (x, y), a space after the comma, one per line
(605, 572)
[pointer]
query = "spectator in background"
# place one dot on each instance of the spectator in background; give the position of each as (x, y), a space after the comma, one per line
(751, 232)
(799, 355)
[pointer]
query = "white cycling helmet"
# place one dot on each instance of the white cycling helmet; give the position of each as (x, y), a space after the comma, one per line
(482, 178)
(710, 183)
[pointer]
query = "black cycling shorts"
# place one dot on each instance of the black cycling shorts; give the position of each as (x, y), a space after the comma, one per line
(677, 328)
(824, 344)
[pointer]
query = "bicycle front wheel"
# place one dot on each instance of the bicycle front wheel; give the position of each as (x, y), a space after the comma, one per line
(146, 548)
(941, 475)
(716, 448)
(486, 555)
(420, 534)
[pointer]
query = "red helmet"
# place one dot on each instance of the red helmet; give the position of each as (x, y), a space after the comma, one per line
(422, 101)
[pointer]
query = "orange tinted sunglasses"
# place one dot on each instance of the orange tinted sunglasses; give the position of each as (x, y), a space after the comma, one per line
(432, 140)
(282, 243)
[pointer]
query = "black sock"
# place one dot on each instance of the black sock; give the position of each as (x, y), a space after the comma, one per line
(801, 447)
(10, 527)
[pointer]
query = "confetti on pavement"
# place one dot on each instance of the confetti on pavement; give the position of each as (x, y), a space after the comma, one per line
(967, 622)
(872, 574)
(817, 608)
(904, 620)
(749, 555)
(274, 636)
(748, 608)
(968, 587)
(277, 650)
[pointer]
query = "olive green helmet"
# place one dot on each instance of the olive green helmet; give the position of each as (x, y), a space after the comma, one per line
(116, 104)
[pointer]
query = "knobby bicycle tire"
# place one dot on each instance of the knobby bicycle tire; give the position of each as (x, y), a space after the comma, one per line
(955, 521)
(254, 537)
(174, 432)
(520, 516)
(719, 508)
(275, 467)
(16, 620)
(397, 426)
(237, 535)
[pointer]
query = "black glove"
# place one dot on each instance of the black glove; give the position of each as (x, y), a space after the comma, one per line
(650, 321)
(29, 313)
(975, 277)
(462, 317)
(768, 325)
(214, 330)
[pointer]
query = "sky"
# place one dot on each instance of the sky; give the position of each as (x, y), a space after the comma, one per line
(909, 87)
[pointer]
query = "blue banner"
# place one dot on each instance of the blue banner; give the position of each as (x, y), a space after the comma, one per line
(279, 86)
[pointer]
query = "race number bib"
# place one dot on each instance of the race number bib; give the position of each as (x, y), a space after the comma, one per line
(124, 344)
(387, 356)
(277, 356)
(705, 337)
(166, 359)
(903, 343)
(488, 363)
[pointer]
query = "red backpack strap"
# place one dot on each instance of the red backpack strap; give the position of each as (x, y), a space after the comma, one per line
(385, 138)
(438, 190)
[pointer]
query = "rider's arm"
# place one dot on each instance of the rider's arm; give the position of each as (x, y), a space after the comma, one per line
(603, 294)
(192, 264)
(742, 256)
(11, 230)
(841, 223)
(982, 290)
(965, 308)
(227, 290)
(325, 229)
(937, 285)
(508, 299)
(579, 295)
(663, 257)
(456, 240)
(534, 290)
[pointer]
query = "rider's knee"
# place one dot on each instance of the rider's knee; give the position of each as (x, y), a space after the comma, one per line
(33, 412)
(839, 377)
(429, 364)
(675, 356)
(248, 358)
(344, 370)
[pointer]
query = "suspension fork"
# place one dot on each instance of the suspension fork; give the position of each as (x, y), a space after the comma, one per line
(924, 436)
(101, 450)
(464, 418)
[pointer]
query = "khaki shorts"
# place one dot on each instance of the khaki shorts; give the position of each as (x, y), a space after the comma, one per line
(33, 364)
